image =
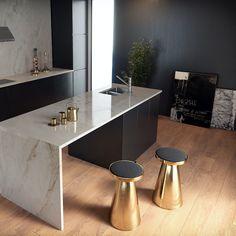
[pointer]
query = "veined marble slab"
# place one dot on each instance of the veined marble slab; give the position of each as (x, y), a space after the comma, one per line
(30, 23)
(27, 77)
(224, 110)
(95, 110)
(31, 176)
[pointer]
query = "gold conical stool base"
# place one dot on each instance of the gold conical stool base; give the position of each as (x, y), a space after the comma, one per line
(167, 192)
(125, 214)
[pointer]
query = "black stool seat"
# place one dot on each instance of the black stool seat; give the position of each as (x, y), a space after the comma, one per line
(171, 154)
(126, 169)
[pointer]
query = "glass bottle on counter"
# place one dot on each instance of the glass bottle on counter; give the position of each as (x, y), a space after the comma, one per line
(45, 62)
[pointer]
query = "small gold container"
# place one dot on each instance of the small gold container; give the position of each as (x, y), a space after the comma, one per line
(63, 121)
(53, 122)
(62, 115)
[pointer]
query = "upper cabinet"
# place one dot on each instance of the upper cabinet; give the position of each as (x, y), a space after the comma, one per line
(70, 39)
(62, 42)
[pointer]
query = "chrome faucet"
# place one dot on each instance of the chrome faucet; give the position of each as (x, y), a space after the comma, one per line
(129, 84)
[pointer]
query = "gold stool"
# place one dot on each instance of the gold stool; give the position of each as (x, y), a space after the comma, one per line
(125, 214)
(167, 193)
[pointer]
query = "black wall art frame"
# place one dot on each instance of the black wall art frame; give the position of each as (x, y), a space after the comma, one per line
(193, 98)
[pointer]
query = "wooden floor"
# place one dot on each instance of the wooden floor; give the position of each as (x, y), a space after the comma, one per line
(208, 185)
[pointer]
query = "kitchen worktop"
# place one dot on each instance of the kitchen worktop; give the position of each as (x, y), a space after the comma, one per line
(27, 77)
(95, 110)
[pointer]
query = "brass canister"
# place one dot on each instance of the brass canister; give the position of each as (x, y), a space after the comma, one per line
(53, 122)
(64, 121)
(72, 113)
(62, 115)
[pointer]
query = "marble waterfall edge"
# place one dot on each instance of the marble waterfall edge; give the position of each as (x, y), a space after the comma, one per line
(31, 176)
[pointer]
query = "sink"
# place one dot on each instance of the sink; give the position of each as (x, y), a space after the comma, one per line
(5, 81)
(115, 91)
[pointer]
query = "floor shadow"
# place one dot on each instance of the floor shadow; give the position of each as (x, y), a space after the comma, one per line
(145, 193)
(91, 210)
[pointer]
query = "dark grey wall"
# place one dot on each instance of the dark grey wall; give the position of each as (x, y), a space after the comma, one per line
(189, 35)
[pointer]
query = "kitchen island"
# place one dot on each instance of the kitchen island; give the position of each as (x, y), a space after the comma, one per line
(31, 151)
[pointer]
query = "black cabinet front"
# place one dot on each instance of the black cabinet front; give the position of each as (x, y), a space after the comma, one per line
(126, 137)
(25, 97)
(70, 39)
(4, 104)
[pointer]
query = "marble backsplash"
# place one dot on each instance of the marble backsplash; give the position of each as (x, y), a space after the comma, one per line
(30, 23)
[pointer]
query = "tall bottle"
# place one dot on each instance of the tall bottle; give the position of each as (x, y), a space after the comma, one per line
(35, 70)
(45, 62)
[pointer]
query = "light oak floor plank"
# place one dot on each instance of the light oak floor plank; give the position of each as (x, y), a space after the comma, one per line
(208, 184)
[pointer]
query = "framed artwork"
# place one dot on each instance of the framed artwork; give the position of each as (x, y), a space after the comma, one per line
(193, 98)
(224, 109)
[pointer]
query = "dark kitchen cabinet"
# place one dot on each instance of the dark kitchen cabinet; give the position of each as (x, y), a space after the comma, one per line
(130, 134)
(69, 39)
(4, 104)
(140, 128)
(102, 146)
(25, 97)
(125, 137)
(152, 124)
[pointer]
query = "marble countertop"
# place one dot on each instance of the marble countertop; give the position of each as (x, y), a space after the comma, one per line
(95, 110)
(27, 77)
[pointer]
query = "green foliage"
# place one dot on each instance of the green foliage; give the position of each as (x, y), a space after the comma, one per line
(140, 62)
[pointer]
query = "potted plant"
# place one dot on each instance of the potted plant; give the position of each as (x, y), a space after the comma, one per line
(140, 62)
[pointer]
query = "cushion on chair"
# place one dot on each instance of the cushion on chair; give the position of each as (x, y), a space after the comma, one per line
(126, 169)
(171, 154)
